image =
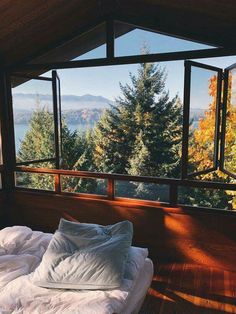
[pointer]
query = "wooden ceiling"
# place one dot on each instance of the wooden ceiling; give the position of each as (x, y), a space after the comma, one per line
(30, 29)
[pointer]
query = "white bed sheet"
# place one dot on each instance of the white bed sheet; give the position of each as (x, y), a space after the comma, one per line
(21, 250)
(139, 289)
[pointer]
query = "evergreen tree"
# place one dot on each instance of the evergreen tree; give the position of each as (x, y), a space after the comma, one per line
(38, 143)
(85, 163)
(113, 137)
(141, 135)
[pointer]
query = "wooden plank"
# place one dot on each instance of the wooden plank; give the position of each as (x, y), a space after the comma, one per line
(121, 177)
(189, 288)
(30, 29)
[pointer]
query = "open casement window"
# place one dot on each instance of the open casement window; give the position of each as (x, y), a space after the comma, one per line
(228, 134)
(209, 120)
(36, 104)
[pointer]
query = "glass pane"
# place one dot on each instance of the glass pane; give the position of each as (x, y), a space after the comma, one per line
(71, 184)
(89, 45)
(232, 201)
(230, 136)
(33, 120)
(143, 191)
(113, 124)
(34, 181)
(132, 40)
(205, 197)
(203, 98)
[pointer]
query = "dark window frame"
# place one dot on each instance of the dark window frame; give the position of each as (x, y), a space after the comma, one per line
(56, 101)
(186, 117)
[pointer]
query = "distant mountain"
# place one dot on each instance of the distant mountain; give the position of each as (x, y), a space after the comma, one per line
(23, 101)
(83, 116)
(86, 116)
(86, 109)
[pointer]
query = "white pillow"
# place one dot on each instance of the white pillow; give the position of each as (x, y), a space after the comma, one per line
(86, 257)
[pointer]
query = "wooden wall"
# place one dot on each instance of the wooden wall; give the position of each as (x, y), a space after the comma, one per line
(2, 209)
(171, 234)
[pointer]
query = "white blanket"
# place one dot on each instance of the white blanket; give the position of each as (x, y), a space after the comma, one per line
(21, 251)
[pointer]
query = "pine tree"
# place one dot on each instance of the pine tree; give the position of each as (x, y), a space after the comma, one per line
(85, 163)
(38, 143)
(113, 137)
(141, 135)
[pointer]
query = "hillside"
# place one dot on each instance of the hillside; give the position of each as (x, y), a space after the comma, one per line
(23, 101)
(80, 116)
(85, 109)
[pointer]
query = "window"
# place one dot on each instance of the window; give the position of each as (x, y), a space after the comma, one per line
(228, 145)
(103, 127)
(201, 114)
(133, 40)
(36, 112)
(209, 111)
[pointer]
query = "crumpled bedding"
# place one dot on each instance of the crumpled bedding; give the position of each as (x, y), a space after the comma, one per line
(21, 251)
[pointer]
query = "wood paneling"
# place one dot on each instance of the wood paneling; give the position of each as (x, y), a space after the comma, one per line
(191, 289)
(29, 29)
(2, 209)
(2, 198)
(209, 21)
(171, 234)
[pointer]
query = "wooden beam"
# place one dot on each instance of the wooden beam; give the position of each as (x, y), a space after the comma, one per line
(110, 36)
(122, 177)
(157, 57)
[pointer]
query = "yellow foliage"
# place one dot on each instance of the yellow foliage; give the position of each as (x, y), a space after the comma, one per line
(201, 142)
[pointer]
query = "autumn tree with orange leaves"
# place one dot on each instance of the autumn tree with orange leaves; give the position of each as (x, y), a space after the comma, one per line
(201, 146)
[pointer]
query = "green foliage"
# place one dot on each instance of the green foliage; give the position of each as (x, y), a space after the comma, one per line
(85, 162)
(204, 197)
(141, 135)
(38, 143)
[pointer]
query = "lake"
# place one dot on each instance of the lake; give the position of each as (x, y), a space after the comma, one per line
(21, 129)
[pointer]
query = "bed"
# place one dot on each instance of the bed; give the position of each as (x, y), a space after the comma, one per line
(21, 251)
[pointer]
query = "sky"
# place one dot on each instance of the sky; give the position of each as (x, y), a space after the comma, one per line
(104, 81)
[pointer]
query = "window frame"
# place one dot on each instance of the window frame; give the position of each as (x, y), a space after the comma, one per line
(224, 118)
(56, 102)
(186, 117)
